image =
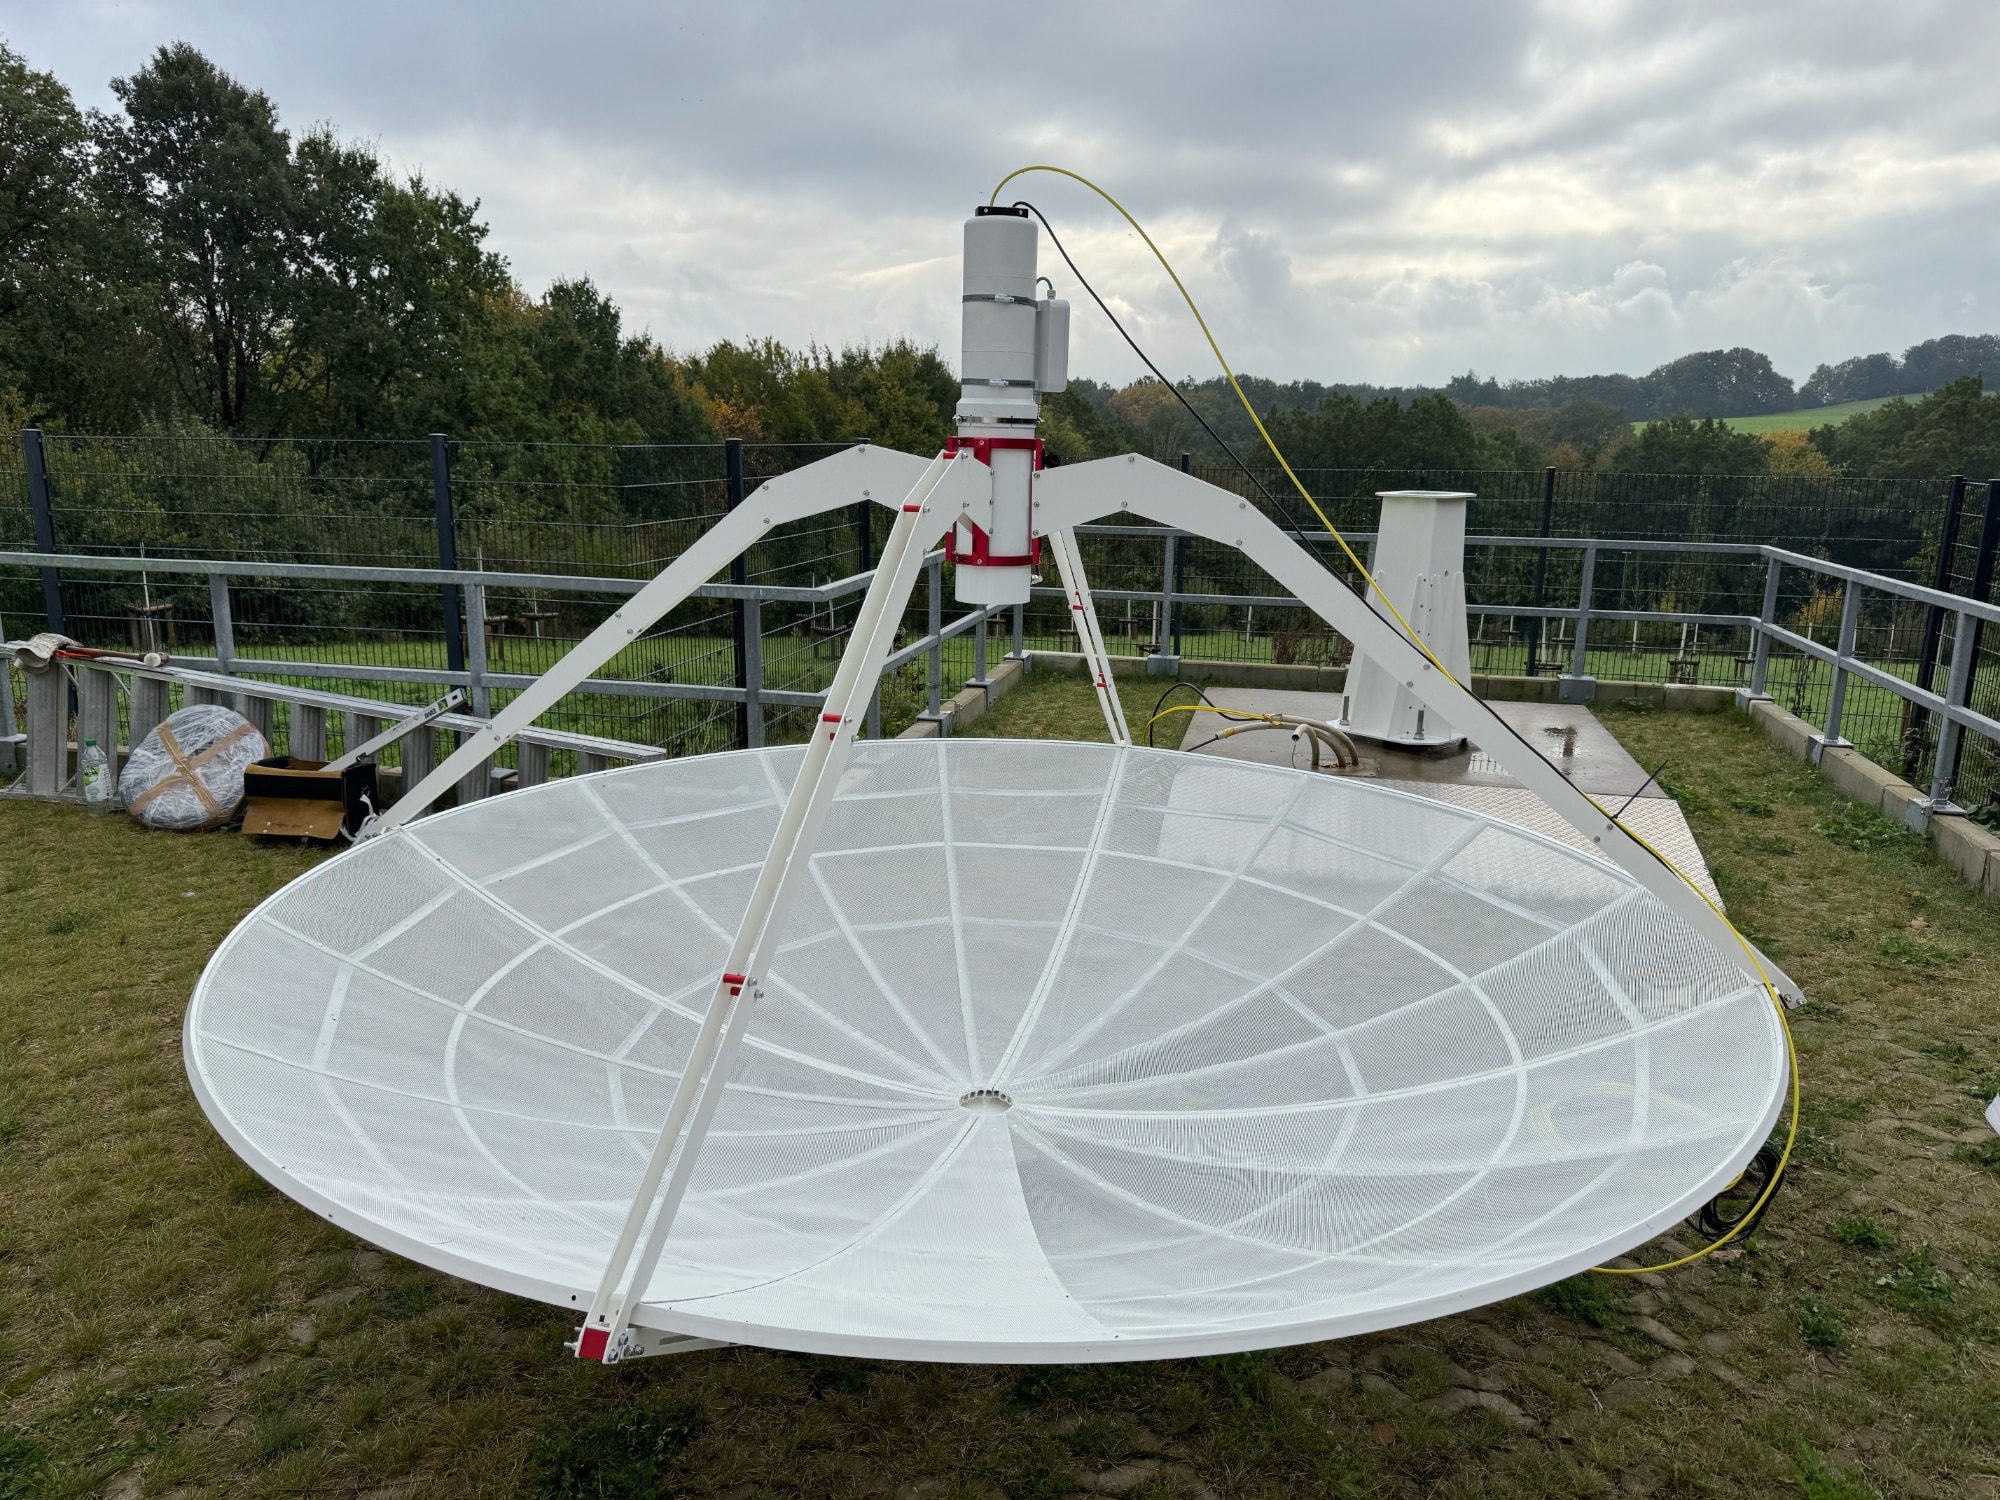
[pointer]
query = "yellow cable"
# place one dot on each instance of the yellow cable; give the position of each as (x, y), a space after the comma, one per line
(1791, 1048)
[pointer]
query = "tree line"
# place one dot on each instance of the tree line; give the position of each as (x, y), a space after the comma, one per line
(184, 263)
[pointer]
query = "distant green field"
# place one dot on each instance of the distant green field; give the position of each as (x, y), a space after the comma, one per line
(1799, 421)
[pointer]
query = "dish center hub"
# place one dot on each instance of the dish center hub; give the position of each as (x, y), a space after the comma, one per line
(990, 1100)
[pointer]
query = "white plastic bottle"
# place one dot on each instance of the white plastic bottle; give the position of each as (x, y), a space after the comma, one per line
(94, 769)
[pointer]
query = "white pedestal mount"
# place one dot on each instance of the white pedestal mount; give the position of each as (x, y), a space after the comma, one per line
(1420, 565)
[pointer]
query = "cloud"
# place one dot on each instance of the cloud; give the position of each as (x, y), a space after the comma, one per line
(1387, 193)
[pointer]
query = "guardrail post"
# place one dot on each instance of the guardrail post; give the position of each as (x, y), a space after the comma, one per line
(97, 714)
(359, 730)
(1843, 652)
(1579, 686)
(419, 749)
(9, 730)
(1535, 622)
(147, 706)
(307, 737)
(739, 573)
(48, 732)
(534, 763)
(1760, 650)
(45, 523)
(1944, 771)
(751, 613)
(475, 641)
(224, 625)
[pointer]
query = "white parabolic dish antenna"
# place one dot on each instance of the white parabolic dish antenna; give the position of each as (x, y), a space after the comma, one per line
(1068, 1052)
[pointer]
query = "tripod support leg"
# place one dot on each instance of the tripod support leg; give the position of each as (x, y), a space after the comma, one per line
(933, 506)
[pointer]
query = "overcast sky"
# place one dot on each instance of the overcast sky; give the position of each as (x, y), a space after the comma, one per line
(1353, 192)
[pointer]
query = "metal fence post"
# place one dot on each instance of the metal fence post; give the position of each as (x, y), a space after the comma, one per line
(1927, 652)
(979, 679)
(934, 578)
(475, 640)
(447, 533)
(1760, 650)
(1982, 590)
(45, 523)
(739, 572)
(1944, 771)
(1535, 622)
(1843, 651)
(225, 626)
(1579, 686)
(1020, 628)
(751, 613)
(1177, 568)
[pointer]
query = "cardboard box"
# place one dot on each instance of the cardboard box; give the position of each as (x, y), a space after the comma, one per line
(285, 797)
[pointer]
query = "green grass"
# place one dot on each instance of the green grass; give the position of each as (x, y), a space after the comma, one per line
(1799, 421)
(170, 1327)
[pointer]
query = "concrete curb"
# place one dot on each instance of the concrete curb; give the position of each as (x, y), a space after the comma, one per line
(1961, 843)
(968, 706)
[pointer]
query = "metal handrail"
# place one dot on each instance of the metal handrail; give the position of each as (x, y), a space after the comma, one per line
(1951, 706)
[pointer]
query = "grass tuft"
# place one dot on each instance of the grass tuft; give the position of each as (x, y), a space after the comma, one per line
(1819, 1480)
(24, 1466)
(1982, 1154)
(1866, 831)
(1584, 1298)
(621, 1454)
(1819, 1321)
(1861, 1233)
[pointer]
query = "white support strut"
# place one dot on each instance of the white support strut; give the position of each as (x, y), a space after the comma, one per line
(860, 473)
(1079, 493)
(941, 494)
(1083, 610)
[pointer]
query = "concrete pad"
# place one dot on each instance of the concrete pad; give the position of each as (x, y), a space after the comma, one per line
(1472, 779)
(1568, 734)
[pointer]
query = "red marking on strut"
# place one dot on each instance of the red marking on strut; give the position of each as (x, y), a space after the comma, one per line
(911, 510)
(829, 718)
(593, 1343)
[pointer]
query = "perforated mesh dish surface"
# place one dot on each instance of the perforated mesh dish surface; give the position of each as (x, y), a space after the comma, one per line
(1069, 1053)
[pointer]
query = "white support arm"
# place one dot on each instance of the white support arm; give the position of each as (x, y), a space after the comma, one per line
(943, 491)
(1078, 493)
(1083, 612)
(863, 473)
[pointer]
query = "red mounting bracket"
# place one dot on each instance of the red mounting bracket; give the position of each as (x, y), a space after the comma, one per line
(981, 554)
(982, 448)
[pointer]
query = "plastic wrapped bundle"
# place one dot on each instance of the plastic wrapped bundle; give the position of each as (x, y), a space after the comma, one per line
(188, 773)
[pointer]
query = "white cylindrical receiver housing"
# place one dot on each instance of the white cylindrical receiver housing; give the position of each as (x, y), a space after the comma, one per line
(999, 405)
(998, 320)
